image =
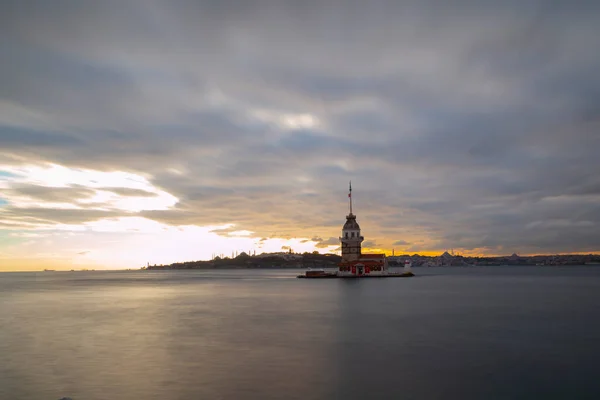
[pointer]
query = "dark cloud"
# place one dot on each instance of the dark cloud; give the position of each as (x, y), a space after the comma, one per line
(52, 194)
(129, 192)
(38, 215)
(58, 216)
(466, 124)
(370, 243)
(14, 137)
(400, 243)
(332, 241)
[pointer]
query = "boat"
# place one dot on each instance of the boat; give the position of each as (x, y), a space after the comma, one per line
(407, 267)
(317, 273)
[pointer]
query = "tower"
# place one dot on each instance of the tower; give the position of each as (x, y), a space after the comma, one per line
(351, 239)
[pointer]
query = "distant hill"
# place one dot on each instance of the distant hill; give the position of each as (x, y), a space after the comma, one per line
(266, 260)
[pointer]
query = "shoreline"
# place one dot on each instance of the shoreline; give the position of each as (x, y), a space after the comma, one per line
(160, 269)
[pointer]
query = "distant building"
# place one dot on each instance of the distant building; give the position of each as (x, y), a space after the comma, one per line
(353, 261)
(446, 260)
(514, 259)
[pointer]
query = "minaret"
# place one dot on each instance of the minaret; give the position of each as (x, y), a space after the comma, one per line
(351, 239)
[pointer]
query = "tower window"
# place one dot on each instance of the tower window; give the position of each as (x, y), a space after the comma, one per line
(352, 234)
(346, 235)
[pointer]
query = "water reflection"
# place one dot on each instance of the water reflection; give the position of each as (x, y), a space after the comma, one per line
(182, 335)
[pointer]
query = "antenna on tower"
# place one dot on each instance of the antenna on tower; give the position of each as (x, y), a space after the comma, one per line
(350, 196)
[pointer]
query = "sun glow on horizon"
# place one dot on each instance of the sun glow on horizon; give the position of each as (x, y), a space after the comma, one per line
(132, 242)
(126, 241)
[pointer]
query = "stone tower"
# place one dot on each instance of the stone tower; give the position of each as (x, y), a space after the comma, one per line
(351, 238)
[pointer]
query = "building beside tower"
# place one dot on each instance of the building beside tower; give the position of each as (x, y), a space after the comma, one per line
(354, 262)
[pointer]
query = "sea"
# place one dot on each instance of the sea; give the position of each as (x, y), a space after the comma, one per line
(447, 333)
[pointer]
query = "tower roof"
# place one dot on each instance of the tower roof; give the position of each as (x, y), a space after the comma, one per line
(351, 223)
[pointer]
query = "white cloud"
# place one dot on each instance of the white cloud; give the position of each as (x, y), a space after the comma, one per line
(54, 176)
(287, 120)
(240, 233)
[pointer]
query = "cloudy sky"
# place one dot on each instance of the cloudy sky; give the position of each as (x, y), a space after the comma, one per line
(136, 131)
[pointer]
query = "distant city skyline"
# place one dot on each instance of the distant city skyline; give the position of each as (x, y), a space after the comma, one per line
(167, 131)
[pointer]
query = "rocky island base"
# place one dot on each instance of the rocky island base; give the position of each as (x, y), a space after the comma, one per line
(330, 275)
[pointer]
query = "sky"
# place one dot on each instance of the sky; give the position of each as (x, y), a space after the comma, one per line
(136, 131)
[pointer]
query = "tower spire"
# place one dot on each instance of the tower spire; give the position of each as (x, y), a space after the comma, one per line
(350, 197)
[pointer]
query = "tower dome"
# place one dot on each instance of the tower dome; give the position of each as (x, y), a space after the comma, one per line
(351, 223)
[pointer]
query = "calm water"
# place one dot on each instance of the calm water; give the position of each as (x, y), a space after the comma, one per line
(455, 333)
